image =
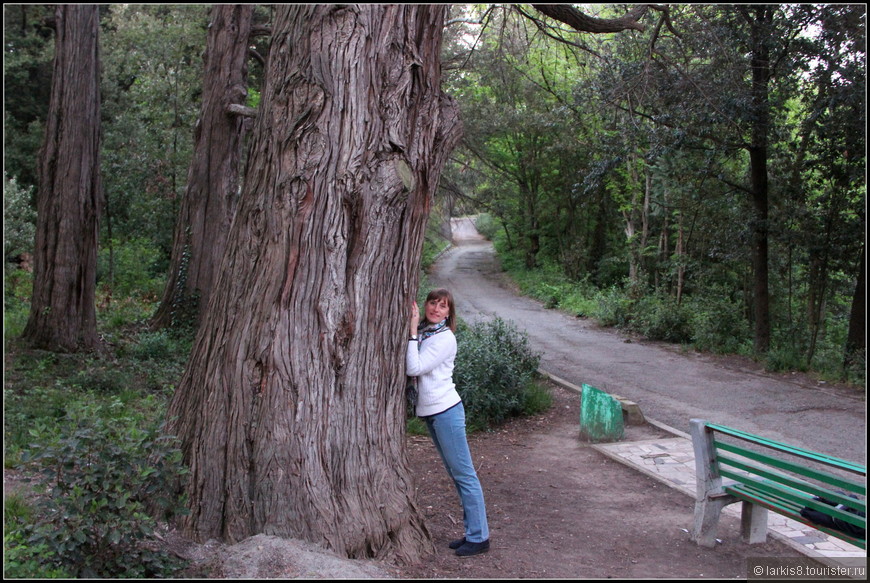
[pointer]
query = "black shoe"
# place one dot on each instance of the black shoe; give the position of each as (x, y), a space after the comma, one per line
(470, 549)
(457, 543)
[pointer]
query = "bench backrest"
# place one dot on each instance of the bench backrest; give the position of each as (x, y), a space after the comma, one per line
(792, 474)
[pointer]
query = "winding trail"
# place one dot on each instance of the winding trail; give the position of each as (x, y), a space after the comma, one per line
(669, 384)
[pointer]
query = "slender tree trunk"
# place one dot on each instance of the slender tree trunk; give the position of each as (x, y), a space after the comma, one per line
(760, 65)
(210, 200)
(680, 256)
(856, 340)
(70, 198)
(532, 225)
(291, 411)
(637, 213)
(598, 244)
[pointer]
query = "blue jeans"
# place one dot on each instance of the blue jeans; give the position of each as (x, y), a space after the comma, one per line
(448, 433)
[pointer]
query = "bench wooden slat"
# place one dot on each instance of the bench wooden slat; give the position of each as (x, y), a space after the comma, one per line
(790, 511)
(805, 453)
(778, 494)
(796, 483)
(837, 481)
(765, 480)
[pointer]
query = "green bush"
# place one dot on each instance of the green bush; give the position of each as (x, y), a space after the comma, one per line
(718, 324)
(22, 560)
(19, 219)
(494, 373)
(783, 358)
(486, 225)
(614, 308)
(131, 268)
(662, 318)
(22, 411)
(160, 345)
(855, 370)
(106, 479)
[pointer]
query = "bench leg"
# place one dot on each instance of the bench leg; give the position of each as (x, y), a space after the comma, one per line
(707, 513)
(753, 523)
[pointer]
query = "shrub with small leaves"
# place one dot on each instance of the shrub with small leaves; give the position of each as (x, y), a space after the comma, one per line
(22, 560)
(19, 219)
(107, 479)
(494, 372)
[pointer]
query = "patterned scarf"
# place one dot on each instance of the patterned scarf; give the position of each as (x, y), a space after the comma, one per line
(426, 330)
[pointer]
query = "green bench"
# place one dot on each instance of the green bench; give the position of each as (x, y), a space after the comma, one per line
(766, 475)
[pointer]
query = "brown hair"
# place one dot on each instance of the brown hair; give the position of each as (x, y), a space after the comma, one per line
(443, 294)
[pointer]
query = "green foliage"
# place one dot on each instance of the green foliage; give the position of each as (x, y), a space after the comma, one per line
(23, 560)
(16, 302)
(486, 225)
(28, 43)
(17, 510)
(19, 219)
(40, 405)
(719, 324)
(40, 386)
(785, 357)
(494, 373)
(151, 86)
(416, 426)
(132, 267)
(855, 370)
(614, 308)
(607, 169)
(662, 318)
(159, 345)
(105, 476)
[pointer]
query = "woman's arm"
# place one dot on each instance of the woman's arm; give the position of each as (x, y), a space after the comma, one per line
(435, 351)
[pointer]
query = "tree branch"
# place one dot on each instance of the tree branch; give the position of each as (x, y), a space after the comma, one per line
(242, 110)
(569, 15)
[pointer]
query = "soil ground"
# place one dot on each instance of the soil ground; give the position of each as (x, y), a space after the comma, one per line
(560, 509)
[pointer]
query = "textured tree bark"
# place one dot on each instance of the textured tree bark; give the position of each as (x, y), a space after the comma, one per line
(291, 411)
(581, 22)
(70, 198)
(209, 203)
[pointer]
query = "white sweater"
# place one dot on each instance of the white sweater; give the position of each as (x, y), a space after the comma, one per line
(432, 364)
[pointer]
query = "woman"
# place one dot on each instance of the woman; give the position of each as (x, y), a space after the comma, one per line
(430, 356)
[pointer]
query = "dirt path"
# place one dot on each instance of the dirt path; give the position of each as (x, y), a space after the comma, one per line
(559, 509)
(670, 385)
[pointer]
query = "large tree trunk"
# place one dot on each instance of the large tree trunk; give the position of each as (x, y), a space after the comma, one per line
(70, 198)
(291, 411)
(209, 203)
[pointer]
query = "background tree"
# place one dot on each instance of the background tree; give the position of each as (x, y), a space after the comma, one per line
(665, 122)
(828, 186)
(291, 409)
(70, 197)
(28, 53)
(152, 90)
(209, 203)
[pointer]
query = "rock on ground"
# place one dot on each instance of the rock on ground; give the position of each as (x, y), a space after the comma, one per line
(271, 557)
